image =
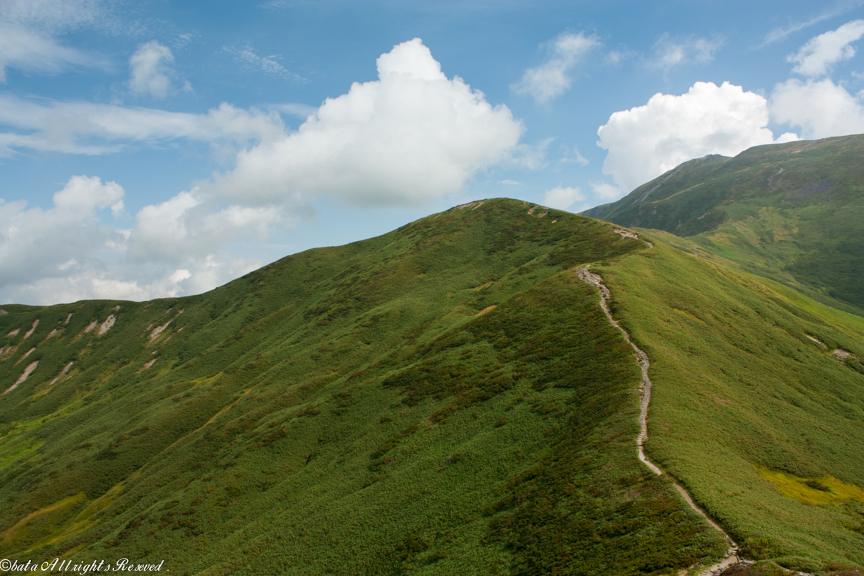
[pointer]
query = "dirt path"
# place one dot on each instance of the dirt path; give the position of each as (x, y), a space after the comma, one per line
(596, 280)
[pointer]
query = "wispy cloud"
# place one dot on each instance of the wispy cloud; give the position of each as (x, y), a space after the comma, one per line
(251, 60)
(552, 78)
(782, 33)
(91, 128)
(673, 51)
(29, 35)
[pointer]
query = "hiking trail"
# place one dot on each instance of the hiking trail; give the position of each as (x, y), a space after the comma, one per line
(596, 280)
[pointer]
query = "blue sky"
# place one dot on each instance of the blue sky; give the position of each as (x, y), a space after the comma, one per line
(152, 149)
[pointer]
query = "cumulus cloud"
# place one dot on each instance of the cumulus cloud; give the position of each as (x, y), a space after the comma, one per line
(646, 141)
(29, 30)
(820, 108)
(670, 52)
(65, 253)
(552, 78)
(562, 197)
(820, 53)
(189, 225)
(410, 136)
(88, 128)
(36, 243)
(150, 71)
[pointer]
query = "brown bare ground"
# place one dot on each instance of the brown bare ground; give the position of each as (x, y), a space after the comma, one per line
(27, 371)
(32, 329)
(107, 324)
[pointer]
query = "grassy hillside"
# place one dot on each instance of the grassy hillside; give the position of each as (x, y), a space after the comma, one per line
(447, 398)
(752, 409)
(791, 212)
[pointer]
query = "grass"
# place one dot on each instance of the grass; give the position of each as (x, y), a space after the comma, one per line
(789, 212)
(447, 398)
(738, 388)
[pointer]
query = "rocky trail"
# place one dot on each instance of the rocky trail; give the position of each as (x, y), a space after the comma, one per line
(596, 280)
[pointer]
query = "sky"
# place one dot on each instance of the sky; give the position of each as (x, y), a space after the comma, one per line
(162, 148)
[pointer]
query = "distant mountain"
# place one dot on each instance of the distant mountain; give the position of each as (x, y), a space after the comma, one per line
(791, 212)
(449, 398)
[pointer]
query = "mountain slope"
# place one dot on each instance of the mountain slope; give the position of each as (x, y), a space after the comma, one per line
(446, 398)
(753, 409)
(791, 212)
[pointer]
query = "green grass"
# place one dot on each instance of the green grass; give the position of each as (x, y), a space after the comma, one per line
(790, 212)
(739, 388)
(349, 410)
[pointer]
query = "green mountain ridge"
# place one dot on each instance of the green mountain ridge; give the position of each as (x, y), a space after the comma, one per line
(790, 212)
(446, 398)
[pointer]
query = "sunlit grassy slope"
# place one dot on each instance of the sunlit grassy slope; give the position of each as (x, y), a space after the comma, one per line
(751, 410)
(790, 212)
(444, 399)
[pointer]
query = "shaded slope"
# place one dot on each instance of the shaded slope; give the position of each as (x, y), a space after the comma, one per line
(446, 398)
(791, 212)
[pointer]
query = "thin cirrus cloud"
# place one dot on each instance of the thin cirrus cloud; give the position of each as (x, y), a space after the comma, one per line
(818, 56)
(781, 33)
(646, 141)
(251, 60)
(30, 31)
(553, 77)
(669, 51)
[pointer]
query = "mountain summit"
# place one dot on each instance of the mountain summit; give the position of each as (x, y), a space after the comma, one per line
(448, 398)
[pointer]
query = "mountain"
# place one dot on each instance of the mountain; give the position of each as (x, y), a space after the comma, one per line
(790, 212)
(449, 398)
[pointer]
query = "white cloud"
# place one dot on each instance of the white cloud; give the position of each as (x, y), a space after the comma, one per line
(782, 33)
(648, 140)
(88, 128)
(410, 136)
(267, 64)
(670, 52)
(294, 109)
(36, 243)
(606, 191)
(573, 156)
(189, 226)
(820, 53)
(821, 108)
(562, 197)
(552, 78)
(29, 29)
(150, 72)
(65, 253)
